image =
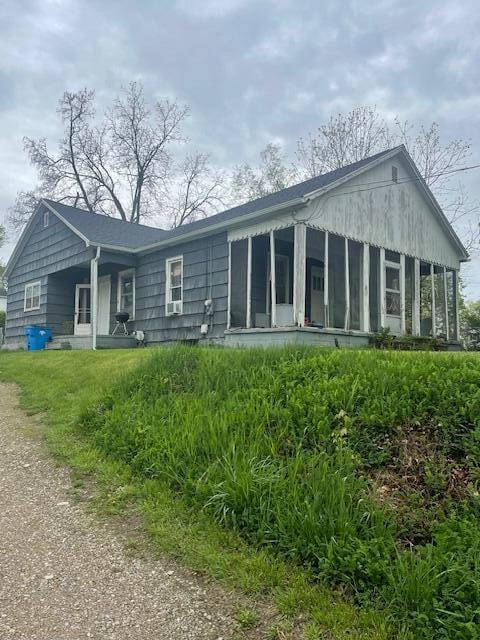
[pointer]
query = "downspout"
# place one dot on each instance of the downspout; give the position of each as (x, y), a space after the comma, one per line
(94, 296)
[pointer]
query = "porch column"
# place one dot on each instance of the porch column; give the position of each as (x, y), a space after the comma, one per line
(347, 288)
(445, 302)
(383, 311)
(299, 273)
(248, 322)
(325, 282)
(229, 286)
(434, 319)
(456, 293)
(273, 288)
(402, 294)
(94, 297)
(416, 298)
(365, 323)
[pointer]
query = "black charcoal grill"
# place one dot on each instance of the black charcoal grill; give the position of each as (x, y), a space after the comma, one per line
(121, 318)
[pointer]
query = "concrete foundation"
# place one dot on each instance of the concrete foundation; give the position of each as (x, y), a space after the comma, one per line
(294, 335)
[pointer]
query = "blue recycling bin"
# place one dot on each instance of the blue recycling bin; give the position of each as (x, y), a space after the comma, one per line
(37, 337)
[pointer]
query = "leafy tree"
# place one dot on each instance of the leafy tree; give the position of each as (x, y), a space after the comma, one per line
(470, 323)
(122, 164)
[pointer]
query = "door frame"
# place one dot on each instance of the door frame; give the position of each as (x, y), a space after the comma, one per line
(109, 300)
(318, 271)
(84, 329)
(280, 257)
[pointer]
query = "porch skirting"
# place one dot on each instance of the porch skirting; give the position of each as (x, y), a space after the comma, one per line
(294, 335)
(85, 342)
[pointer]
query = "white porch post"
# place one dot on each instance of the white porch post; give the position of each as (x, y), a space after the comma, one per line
(94, 297)
(456, 289)
(445, 302)
(299, 272)
(273, 289)
(416, 298)
(248, 323)
(365, 325)
(383, 311)
(434, 319)
(402, 294)
(229, 286)
(347, 288)
(325, 282)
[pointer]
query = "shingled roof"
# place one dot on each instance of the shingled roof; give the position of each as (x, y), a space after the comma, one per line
(103, 230)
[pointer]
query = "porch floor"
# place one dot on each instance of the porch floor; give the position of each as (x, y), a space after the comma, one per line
(85, 342)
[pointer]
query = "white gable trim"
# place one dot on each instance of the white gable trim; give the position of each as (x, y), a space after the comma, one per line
(66, 223)
(447, 227)
(27, 231)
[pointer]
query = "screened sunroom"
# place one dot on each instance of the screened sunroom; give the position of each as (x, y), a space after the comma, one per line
(314, 280)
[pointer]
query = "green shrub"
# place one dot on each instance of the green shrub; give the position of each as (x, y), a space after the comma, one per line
(283, 445)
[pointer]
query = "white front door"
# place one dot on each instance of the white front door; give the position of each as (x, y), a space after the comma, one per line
(316, 295)
(103, 320)
(83, 310)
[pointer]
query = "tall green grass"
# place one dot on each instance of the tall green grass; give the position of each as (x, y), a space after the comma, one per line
(281, 446)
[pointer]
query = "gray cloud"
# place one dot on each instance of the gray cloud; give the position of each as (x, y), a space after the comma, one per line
(251, 71)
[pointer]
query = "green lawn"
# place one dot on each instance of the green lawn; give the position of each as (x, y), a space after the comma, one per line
(64, 386)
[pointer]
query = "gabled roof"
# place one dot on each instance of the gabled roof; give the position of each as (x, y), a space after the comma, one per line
(99, 229)
(115, 234)
(103, 230)
(284, 196)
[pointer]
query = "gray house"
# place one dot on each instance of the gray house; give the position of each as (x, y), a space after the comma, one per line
(333, 258)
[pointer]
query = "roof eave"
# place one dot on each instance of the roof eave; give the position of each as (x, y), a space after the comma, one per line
(442, 217)
(13, 258)
(220, 226)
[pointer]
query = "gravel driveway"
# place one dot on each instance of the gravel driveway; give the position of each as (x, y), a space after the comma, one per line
(63, 576)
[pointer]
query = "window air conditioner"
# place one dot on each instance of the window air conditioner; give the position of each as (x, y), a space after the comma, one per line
(174, 308)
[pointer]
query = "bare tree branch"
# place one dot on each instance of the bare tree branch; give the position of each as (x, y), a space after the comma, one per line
(272, 174)
(198, 192)
(118, 166)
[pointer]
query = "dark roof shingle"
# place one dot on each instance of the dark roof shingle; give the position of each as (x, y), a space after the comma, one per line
(105, 230)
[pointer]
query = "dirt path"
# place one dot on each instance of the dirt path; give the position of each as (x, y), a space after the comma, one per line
(64, 577)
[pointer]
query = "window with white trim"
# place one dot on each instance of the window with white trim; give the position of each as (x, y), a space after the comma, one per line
(392, 289)
(174, 286)
(46, 217)
(32, 296)
(126, 292)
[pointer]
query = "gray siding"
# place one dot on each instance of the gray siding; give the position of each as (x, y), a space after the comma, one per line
(59, 259)
(46, 251)
(205, 274)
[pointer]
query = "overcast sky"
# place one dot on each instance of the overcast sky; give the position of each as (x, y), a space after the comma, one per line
(251, 71)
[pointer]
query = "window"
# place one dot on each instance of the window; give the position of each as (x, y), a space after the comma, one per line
(32, 296)
(126, 292)
(392, 290)
(46, 216)
(174, 286)
(394, 173)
